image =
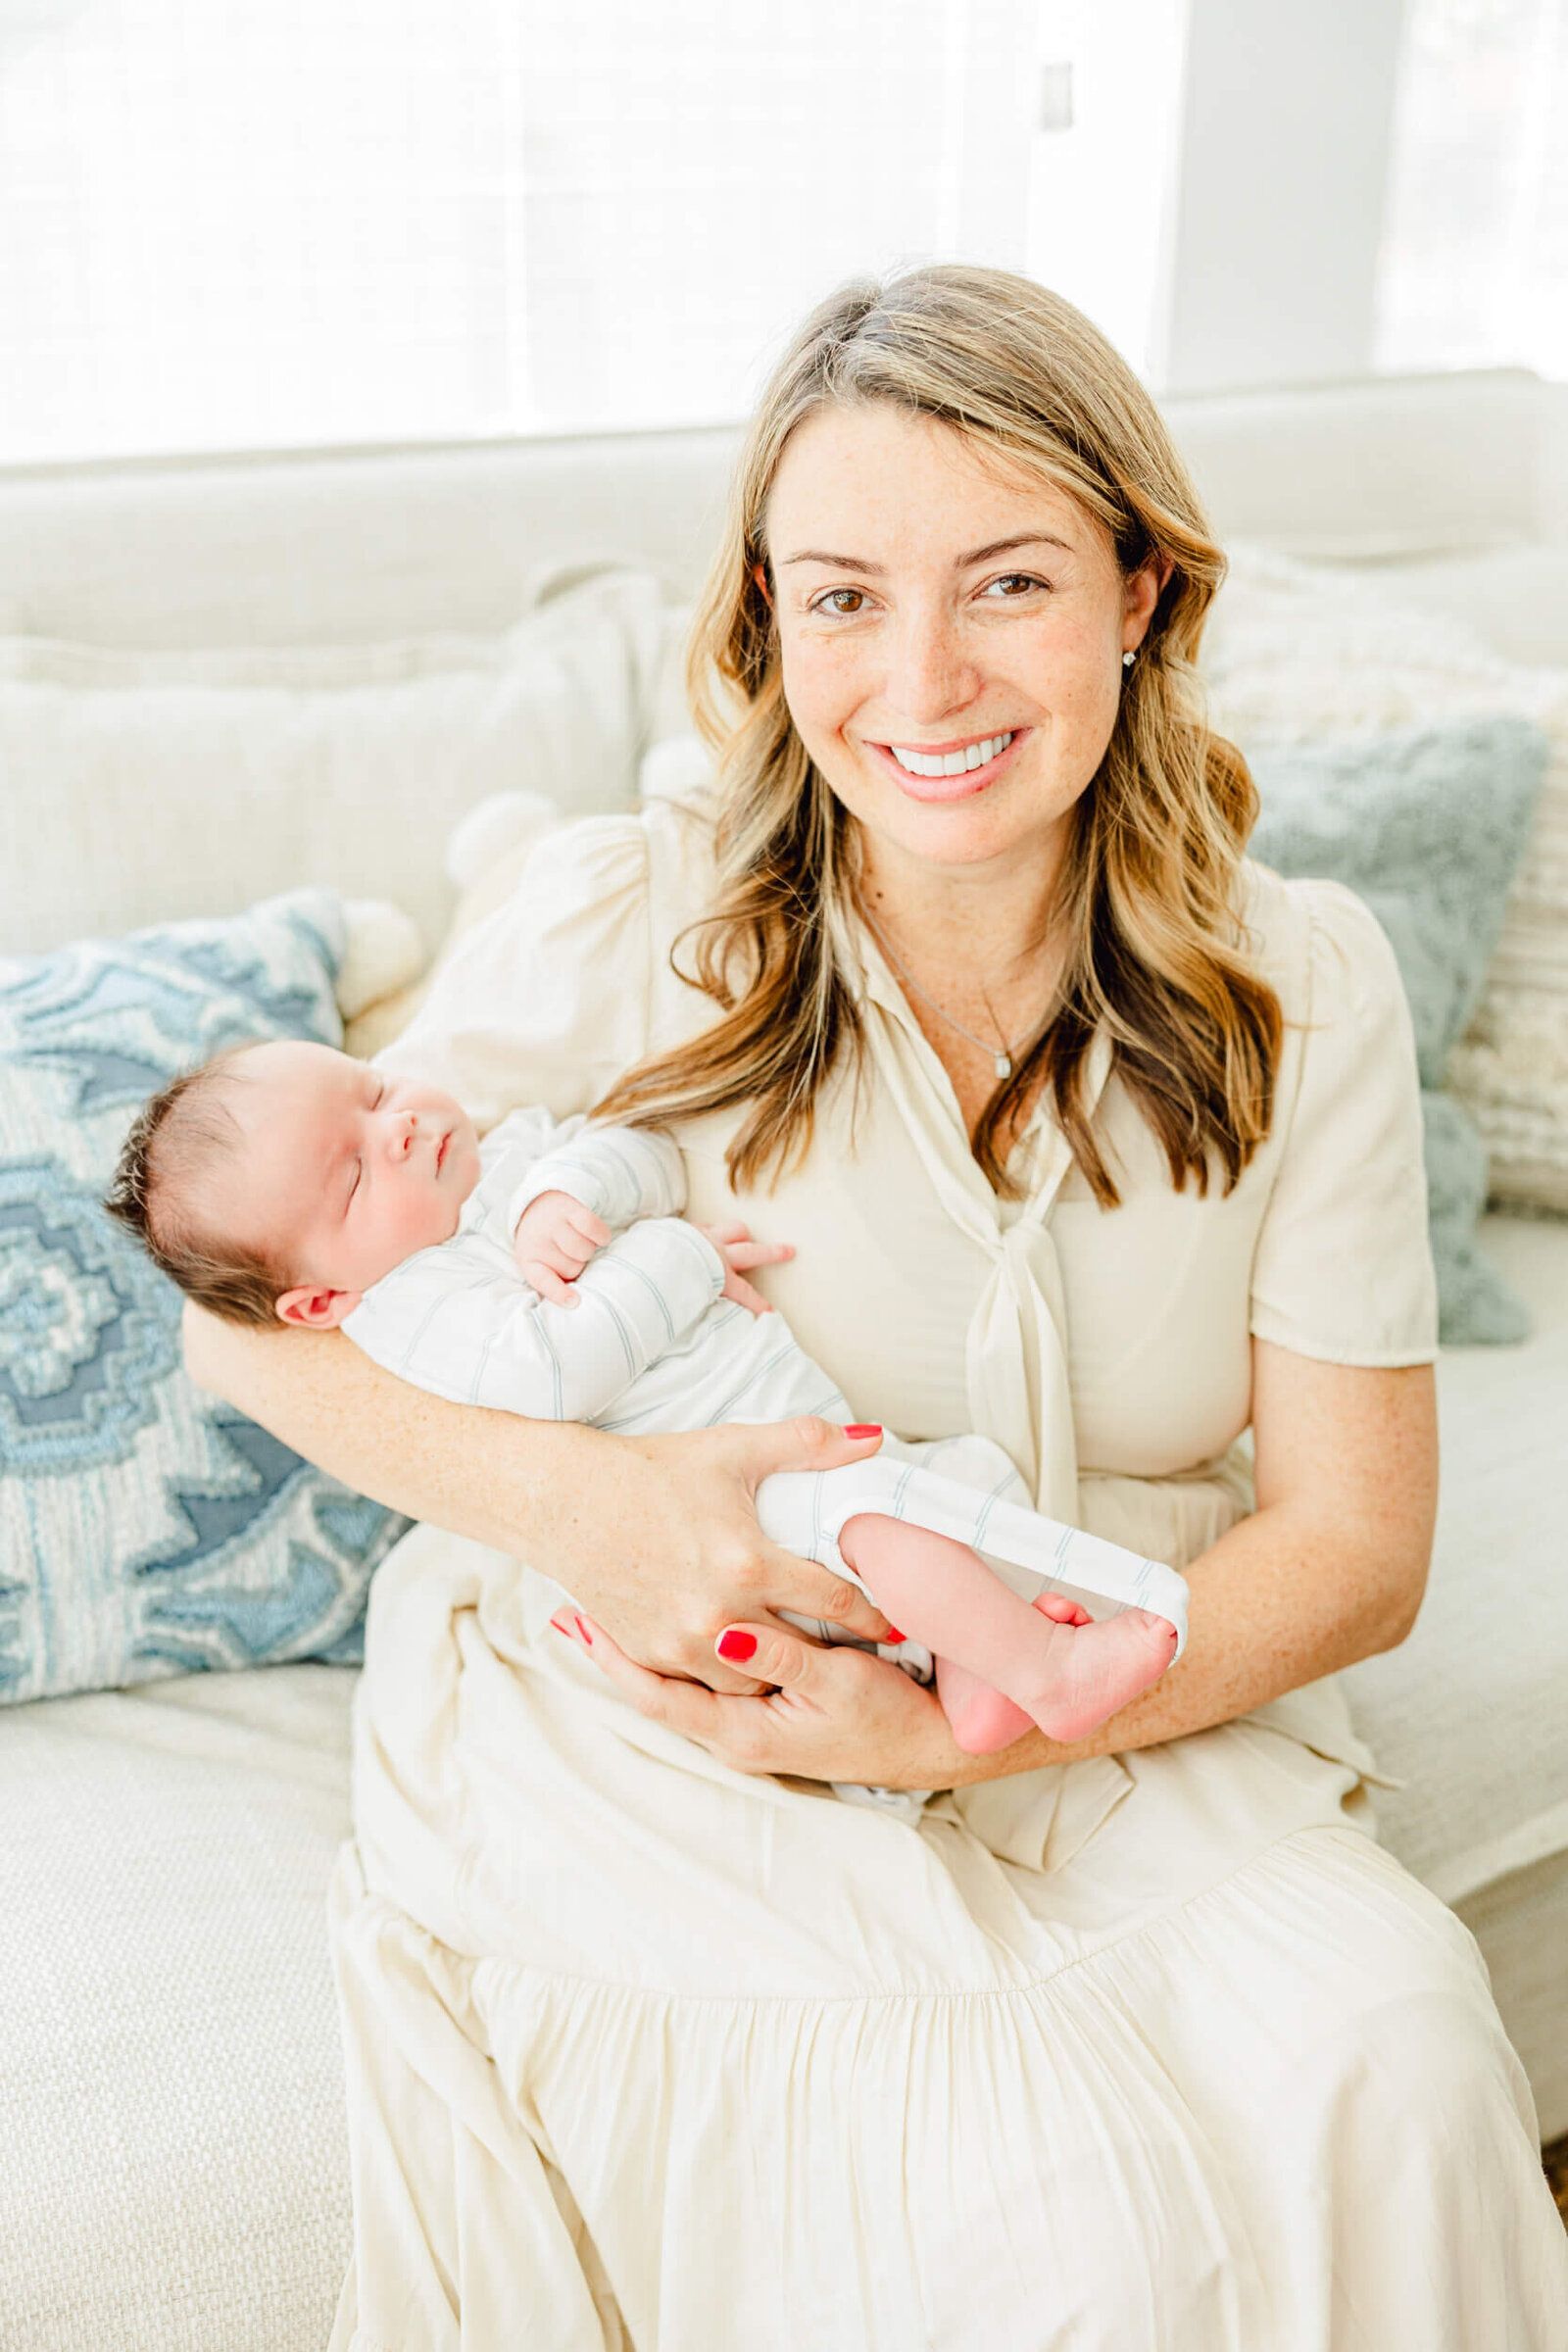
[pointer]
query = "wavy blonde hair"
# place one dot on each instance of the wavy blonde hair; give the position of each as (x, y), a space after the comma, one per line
(1147, 895)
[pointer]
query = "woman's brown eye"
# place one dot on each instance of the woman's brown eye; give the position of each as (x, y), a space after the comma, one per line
(846, 602)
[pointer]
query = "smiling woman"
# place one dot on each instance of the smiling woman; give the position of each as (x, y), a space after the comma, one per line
(1130, 2038)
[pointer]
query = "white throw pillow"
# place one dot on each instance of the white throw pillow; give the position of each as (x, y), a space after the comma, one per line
(137, 788)
(1298, 651)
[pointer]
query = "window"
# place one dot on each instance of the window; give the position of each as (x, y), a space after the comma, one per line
(1474, 266)
(230, 224)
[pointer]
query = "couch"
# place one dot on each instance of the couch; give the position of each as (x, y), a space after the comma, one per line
(173, 2169)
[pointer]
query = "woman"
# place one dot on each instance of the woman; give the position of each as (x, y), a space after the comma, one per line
(1088, 1137)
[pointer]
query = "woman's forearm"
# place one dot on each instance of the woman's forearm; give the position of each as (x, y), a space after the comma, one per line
(1328, 1569)
(334, 1405)
(1274, 1604)
(656, 1537)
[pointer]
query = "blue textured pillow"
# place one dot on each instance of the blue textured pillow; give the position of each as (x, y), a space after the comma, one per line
(1428, 826)
(147, 1528)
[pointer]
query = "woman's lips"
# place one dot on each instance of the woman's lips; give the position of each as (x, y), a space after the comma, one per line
(948, 788)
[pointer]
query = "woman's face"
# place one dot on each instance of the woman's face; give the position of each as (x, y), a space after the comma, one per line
(951, 630)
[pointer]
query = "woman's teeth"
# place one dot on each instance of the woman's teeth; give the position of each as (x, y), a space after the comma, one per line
(950, 763)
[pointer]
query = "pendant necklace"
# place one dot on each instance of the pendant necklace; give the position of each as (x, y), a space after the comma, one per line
(1001, 1054)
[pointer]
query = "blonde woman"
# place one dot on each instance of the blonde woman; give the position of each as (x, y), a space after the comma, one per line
(1089, 1137)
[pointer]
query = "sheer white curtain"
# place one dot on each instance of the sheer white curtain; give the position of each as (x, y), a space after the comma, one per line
(1474, 266)
(230, 224)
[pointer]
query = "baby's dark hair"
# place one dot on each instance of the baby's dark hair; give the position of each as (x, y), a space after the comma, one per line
(173, 1139)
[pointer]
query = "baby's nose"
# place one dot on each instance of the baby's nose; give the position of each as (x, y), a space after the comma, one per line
(403, 1135)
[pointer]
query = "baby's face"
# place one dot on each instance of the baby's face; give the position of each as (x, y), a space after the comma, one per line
(344, 1171)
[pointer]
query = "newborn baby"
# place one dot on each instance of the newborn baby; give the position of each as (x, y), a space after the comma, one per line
(547, 1271)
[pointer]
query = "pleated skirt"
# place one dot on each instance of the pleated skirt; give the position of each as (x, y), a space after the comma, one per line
(1159, 2054)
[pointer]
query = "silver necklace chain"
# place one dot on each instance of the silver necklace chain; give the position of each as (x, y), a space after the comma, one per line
(1001, 1054)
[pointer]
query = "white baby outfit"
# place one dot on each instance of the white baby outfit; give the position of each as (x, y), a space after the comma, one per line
(653, 1344)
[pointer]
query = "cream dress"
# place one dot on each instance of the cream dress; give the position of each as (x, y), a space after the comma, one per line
(1157, 2053)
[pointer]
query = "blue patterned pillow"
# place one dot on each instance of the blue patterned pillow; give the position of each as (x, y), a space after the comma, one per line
(147, 1529)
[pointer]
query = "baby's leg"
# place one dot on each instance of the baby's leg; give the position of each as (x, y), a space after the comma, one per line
(1067, 1677)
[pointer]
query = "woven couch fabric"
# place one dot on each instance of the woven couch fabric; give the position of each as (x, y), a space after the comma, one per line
(147, 1529)
(175, 2159)
(1298, 652)
(1467, 1715)
(1428, 826)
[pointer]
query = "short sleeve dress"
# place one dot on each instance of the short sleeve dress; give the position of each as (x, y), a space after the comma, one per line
(1154, 2050)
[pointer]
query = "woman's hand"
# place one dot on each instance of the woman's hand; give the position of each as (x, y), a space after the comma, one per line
(672, 1553)
(656, 1536)
(832, 1713)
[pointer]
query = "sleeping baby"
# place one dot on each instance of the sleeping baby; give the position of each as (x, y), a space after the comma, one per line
(547, 1271)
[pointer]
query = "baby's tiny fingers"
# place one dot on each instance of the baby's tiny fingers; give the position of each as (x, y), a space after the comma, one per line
(594, 1231)
(565, 1255)
(549, 1285)
(742, 1256)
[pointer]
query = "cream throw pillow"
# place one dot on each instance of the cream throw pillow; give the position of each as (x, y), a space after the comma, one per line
(1297, 653)
(138, 788)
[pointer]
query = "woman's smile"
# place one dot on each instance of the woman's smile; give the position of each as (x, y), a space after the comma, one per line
(955, 771)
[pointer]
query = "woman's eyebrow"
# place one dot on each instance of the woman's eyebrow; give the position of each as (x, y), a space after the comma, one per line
(977, 555)
(814, 555)
(1004, 547)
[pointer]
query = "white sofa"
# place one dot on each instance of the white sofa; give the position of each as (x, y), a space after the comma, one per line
(172, 2152)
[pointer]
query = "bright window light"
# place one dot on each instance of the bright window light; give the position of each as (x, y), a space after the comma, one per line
(1474, 266)
(264, 223)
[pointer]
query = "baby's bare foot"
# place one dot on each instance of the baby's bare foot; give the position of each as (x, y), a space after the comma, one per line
(1094, 1670)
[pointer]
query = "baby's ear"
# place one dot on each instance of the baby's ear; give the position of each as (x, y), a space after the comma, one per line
(316, 1310)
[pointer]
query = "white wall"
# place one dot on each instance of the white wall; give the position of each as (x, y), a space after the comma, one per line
(1285, 116)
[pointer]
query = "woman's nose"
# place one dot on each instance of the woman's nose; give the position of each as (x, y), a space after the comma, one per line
(930, 673)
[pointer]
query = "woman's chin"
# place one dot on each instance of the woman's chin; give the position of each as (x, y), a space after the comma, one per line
(986, 827)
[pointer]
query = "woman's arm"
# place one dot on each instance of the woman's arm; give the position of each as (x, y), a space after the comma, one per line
(1329, 1569)
(656, 1536)
(1331, 1566)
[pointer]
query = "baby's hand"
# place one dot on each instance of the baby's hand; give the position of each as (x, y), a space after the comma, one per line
(741, 1253)
(556, 1238)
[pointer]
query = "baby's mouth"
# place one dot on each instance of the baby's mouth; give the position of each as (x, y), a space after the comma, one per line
(441, 1151)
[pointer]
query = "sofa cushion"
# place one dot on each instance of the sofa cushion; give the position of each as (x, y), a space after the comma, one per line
(149, 1529)
(143, 787)
(177, 2160)
(1298, 652)
(1468, 1713)
(1428, 827)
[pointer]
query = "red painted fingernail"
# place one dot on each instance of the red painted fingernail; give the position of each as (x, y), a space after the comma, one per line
(559, 1627)
(583, 1630)
(862, 1429)
(737, 1645)
(894, 1634)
